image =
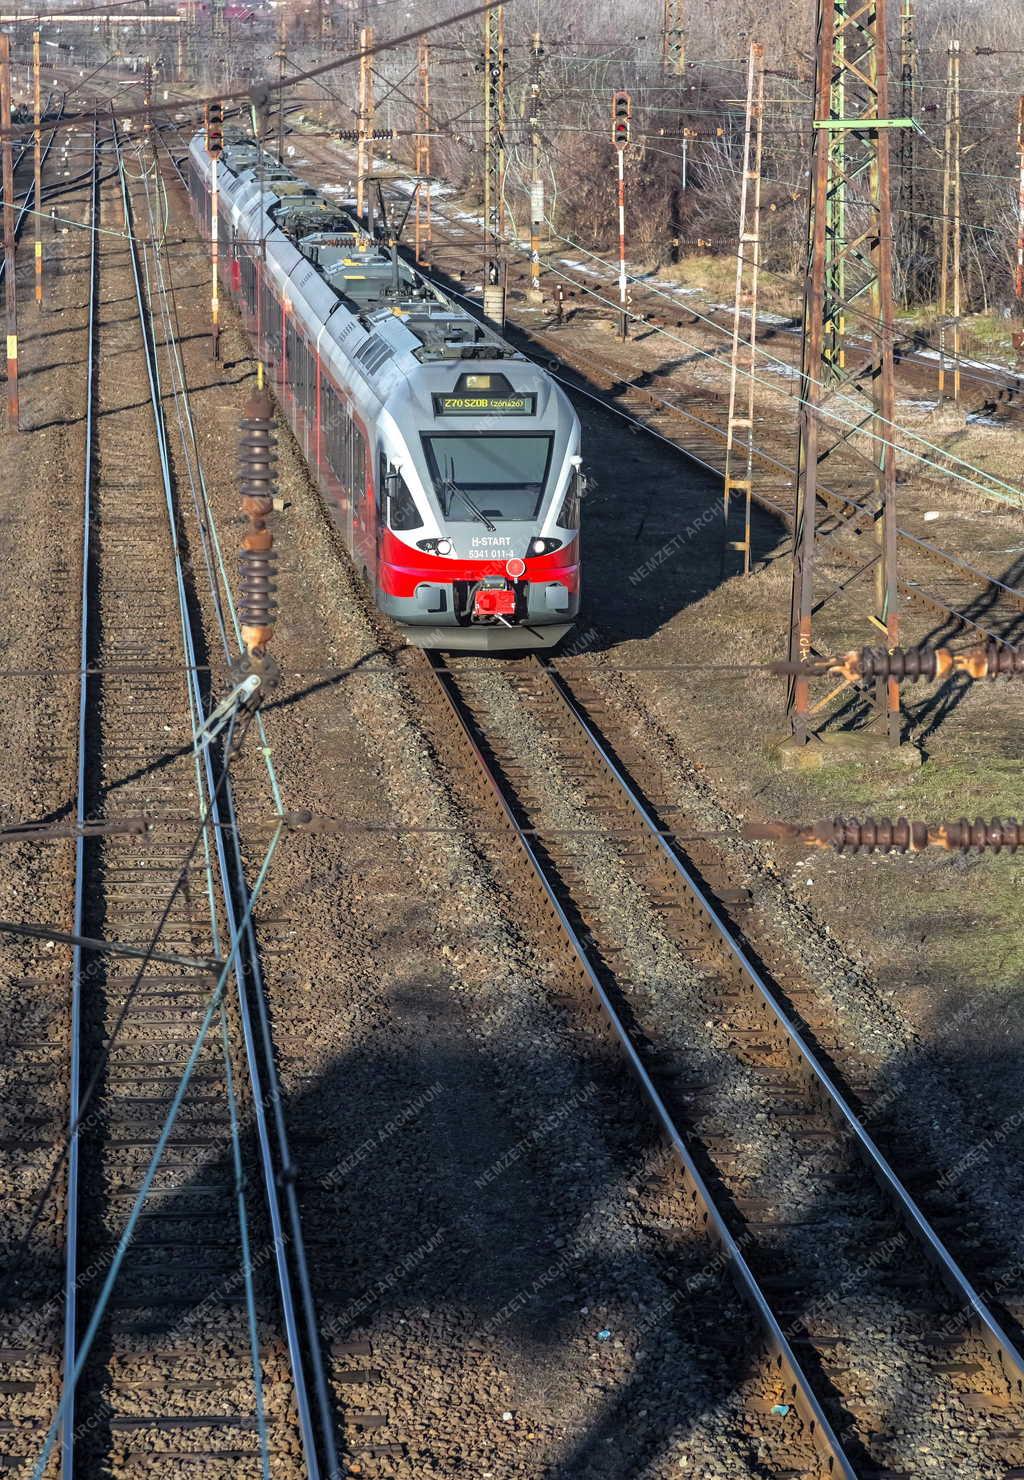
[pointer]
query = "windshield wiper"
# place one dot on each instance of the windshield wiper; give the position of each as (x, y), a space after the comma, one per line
(450, 488)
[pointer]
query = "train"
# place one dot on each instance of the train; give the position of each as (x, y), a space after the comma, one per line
(447, 460)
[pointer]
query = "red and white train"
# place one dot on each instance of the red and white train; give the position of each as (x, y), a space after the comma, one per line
(448, 461)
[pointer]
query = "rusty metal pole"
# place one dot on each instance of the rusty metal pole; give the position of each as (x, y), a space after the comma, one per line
(10, 285)
(1018, 279)
(907, 148)
(811, 387)
(37, 162)
(883, 310)
(950, 224)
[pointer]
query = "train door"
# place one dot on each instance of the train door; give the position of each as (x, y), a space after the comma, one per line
(364, 513)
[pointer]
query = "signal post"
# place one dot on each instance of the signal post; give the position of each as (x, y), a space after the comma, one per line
(37, 163)
(622, 112)
(10, 285)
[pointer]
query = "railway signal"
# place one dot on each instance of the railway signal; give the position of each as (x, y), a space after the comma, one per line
(214, 129)
(622, 113)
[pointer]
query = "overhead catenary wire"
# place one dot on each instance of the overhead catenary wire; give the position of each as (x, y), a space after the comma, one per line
(1010, 494)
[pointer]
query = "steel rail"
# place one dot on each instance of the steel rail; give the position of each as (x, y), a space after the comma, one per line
(253, 968)
(799, 1389)
(67, 1438)
(998, 1343)
(216, 817)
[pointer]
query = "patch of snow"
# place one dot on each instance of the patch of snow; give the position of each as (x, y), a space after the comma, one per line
(787, 372)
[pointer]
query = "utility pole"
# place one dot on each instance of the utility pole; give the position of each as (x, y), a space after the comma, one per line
(673, 38)
(10, 285)
(739, 446)
(536, 179)
(215, 148)
(1018, 279)
(622, 112)
(364, 123)
(37, 162)
(422, 226)
(849, 273)
(282, 36)
(907, 158)
(951, 234)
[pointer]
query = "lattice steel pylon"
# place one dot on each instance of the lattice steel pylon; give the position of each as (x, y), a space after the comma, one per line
(908, 234)
(422, 224)
(494, 126)
(673, 37)
(847, 401)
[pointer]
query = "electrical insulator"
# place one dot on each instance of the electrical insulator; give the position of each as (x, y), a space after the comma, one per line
(622, 112)
(214, 126)
(257, 607)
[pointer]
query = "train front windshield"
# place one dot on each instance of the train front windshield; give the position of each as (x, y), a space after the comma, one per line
(489, 476)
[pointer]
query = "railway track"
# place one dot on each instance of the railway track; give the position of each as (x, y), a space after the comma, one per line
(207, 1350)
(879, 1340)
(344, 1371)
(152, 1381)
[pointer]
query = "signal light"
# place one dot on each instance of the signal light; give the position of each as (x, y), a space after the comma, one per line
(622, 112)
(213, 115)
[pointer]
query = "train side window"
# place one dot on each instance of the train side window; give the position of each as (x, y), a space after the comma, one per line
(358, 461)
(400, 508)
(569, 514)
(332, 418)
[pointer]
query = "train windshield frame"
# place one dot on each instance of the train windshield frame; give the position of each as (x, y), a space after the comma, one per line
(486, 477)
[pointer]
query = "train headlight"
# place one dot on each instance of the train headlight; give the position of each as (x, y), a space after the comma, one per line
(444, 547)
(544, 546)
(435, 546)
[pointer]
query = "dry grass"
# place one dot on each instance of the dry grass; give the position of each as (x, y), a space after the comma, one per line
(715, 278)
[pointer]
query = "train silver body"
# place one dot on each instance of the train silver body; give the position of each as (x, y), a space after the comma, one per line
(449, 462)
